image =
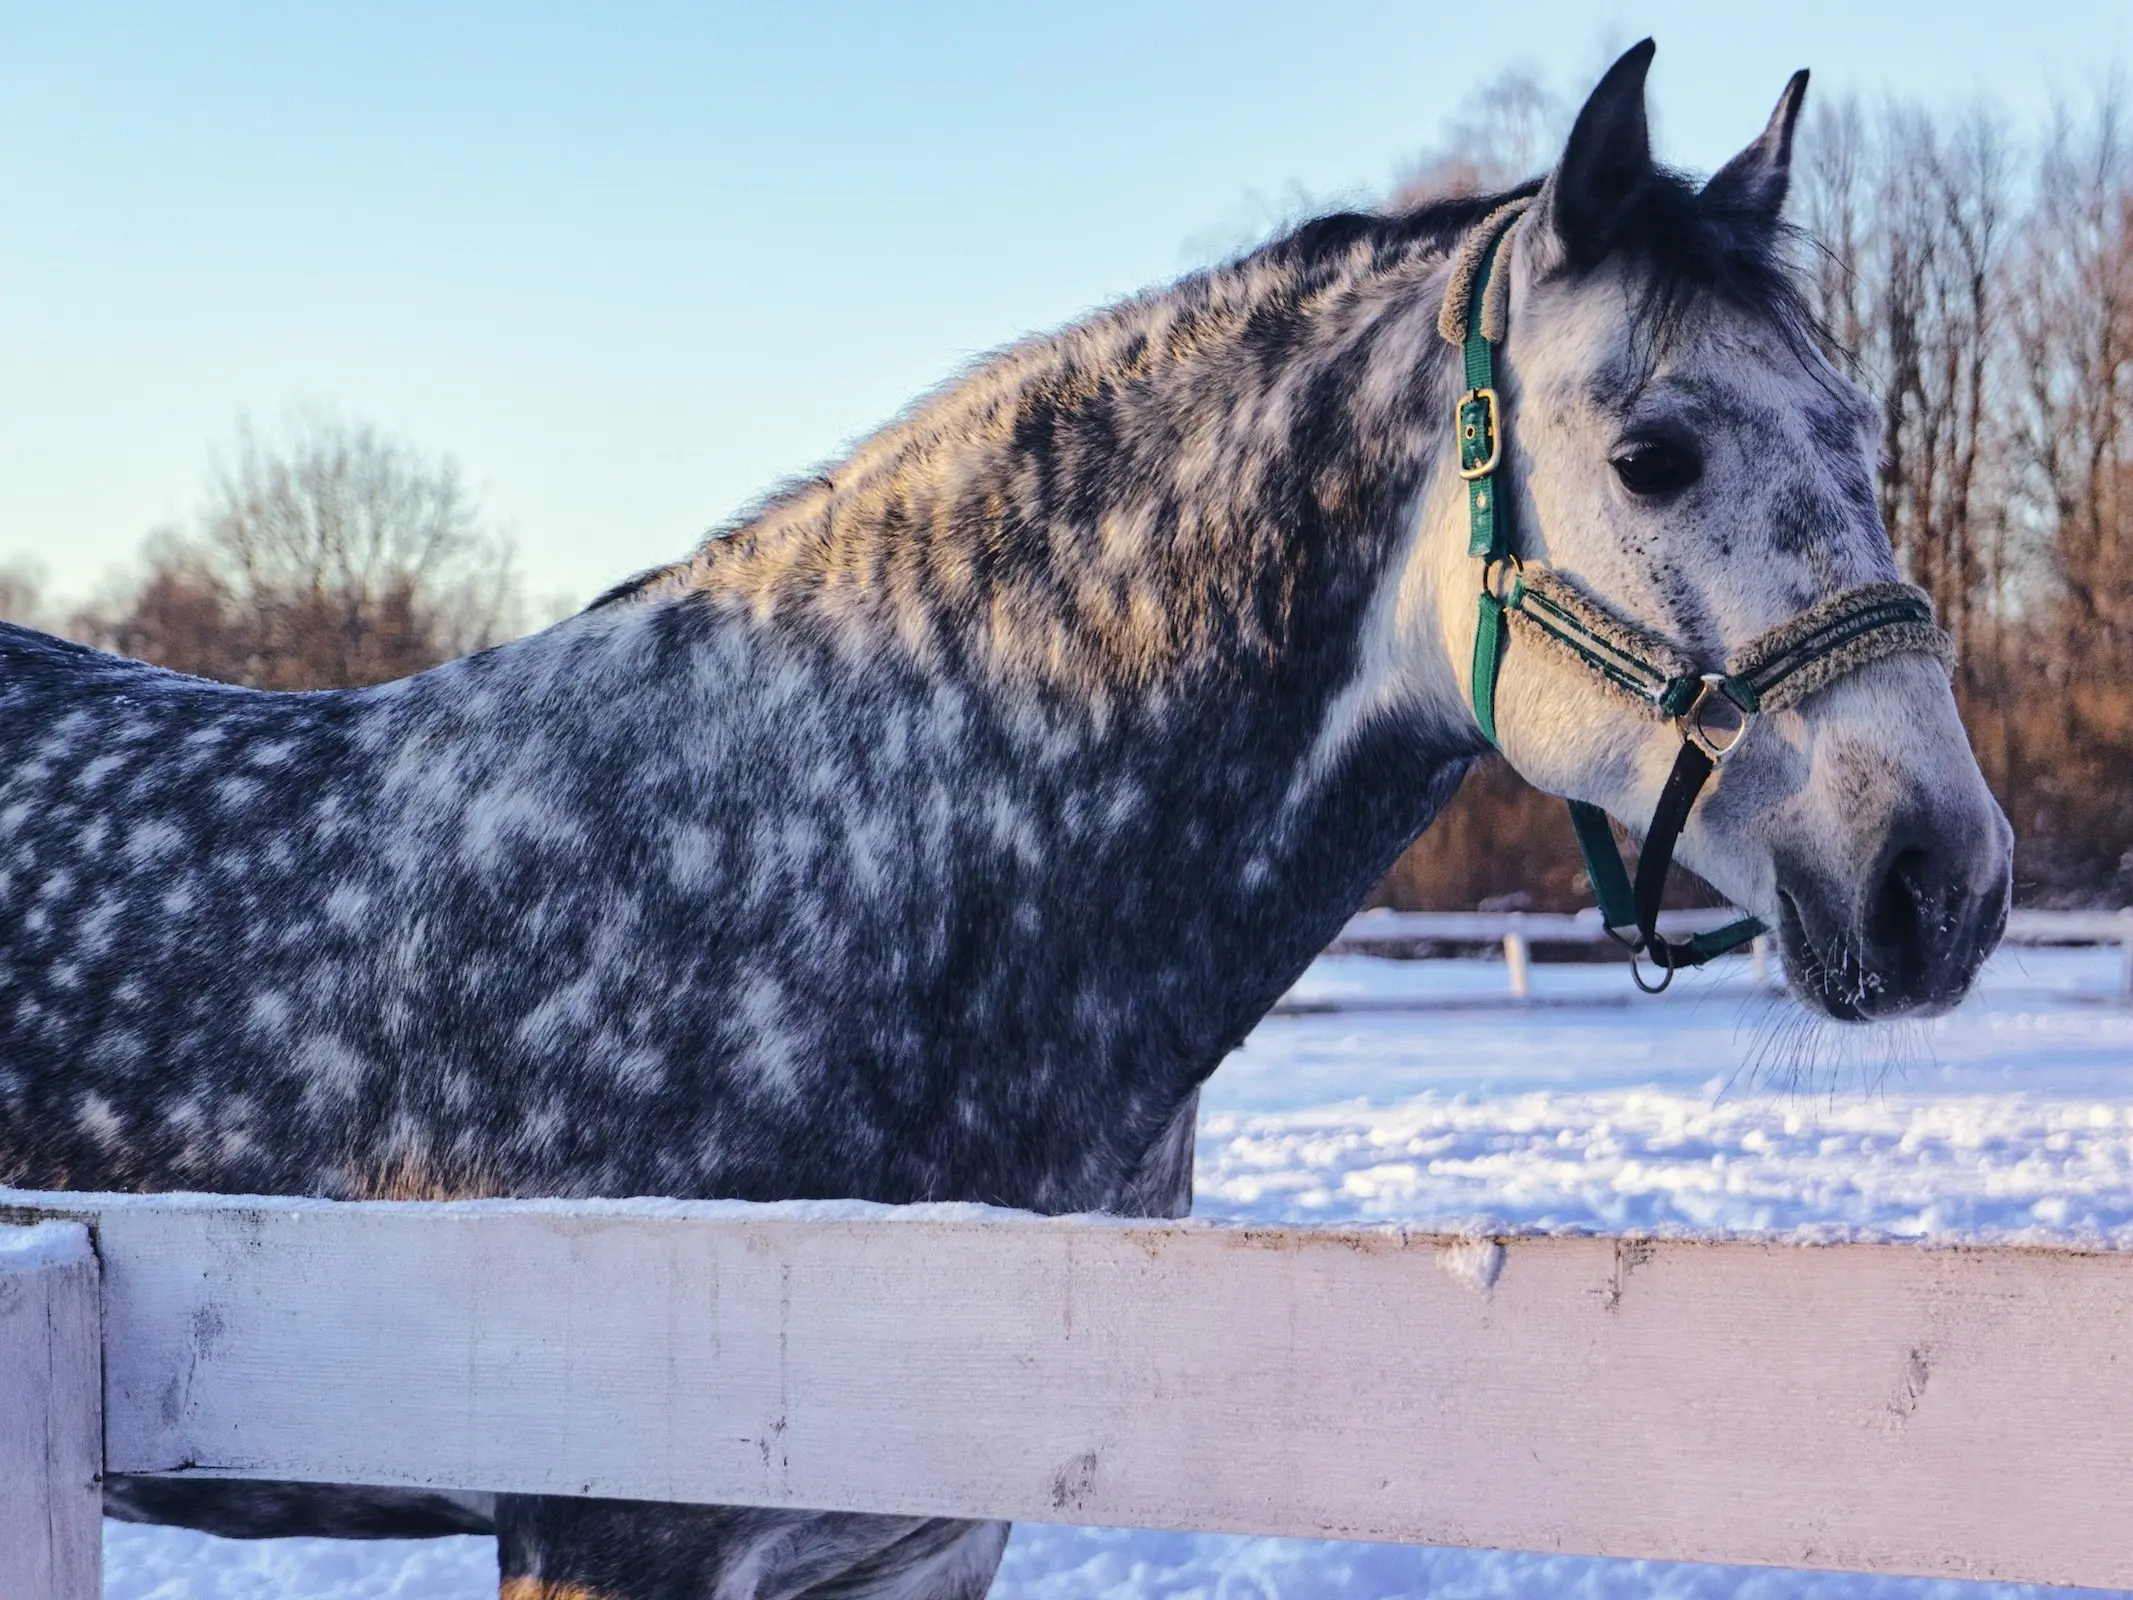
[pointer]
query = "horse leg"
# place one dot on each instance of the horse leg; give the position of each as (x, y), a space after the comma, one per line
(550, 1548)
(1161, 1185)
(243, 1508)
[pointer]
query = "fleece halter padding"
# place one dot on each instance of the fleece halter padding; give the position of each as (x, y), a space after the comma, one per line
(1469, 265)
(1712, 710)
(1837, 636)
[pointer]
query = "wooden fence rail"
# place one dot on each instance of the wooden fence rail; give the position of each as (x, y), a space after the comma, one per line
(1378, 932)
(1961, 1412)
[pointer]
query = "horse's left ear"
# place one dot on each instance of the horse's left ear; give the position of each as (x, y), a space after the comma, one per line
(1754, 182)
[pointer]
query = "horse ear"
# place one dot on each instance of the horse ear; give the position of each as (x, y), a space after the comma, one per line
(1754, 182)
(1605, 164)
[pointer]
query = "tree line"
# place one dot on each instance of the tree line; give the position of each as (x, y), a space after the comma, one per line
(337, 556)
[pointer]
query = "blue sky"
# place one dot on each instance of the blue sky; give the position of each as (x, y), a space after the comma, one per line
(631, 265)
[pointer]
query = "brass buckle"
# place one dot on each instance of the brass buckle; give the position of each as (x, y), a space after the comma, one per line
(1717, 741)
(1490, 418)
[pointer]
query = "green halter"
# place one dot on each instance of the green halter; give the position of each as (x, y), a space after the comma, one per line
(1712, 710)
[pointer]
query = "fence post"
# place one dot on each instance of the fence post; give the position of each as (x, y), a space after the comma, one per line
(1760, 949)
(1518, 958)
(51, 1415)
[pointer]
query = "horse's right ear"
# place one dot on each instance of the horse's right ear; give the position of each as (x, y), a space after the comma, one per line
(1606, 163)
(1755, 180)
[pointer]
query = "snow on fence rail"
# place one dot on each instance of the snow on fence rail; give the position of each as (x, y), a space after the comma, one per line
(1519, 931)
(1875, 1407)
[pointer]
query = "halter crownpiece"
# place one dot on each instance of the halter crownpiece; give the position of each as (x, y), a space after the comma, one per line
(1712, 710)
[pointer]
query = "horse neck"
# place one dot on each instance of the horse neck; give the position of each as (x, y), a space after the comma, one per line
(1204, 486)
(1158, 558)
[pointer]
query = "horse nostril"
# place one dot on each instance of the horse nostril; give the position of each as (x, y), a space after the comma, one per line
(1909, 939)
(1892, 922)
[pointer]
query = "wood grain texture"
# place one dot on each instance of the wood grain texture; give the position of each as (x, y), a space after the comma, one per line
(51, 1503)
(1953, 1412)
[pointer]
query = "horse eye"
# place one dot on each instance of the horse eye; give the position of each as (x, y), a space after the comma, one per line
(1657, 466)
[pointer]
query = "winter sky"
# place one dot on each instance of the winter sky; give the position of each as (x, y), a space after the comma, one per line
(633, 264)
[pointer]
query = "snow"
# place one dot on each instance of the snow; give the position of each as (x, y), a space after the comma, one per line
(42, 1244)
(176, 1564)
(1052, 1563)
(1717, 1107)
(640, 1206)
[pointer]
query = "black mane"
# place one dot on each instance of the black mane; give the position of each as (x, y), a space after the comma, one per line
(1691, 245)
(1433, 226)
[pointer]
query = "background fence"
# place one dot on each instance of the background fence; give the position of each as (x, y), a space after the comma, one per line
(1520, 933)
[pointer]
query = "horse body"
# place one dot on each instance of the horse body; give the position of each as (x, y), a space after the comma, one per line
(657, 932)
(936, 832)
(906, 845)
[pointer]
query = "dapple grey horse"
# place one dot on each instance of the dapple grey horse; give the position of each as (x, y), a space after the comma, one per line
(935, 831)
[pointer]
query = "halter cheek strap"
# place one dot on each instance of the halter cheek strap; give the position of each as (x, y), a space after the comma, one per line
(1713, 711)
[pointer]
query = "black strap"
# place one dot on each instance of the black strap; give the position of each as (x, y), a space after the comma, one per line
(1692, 770)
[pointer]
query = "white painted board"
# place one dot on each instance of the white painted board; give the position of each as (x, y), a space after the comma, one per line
(1961, 1412)
(51, 1501)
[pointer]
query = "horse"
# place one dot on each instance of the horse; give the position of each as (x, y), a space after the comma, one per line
(936, 829)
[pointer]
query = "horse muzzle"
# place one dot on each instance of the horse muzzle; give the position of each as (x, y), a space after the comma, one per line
(1907, 937)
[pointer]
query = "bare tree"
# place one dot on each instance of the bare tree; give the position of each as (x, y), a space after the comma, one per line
(1831, 176)
(2075, 329)
(2071, 386)
(1503, 132)
(342, 557)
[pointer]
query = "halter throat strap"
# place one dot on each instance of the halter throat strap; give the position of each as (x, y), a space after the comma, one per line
(1713, 711)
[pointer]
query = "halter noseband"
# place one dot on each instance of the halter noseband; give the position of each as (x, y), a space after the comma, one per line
(1712, 710)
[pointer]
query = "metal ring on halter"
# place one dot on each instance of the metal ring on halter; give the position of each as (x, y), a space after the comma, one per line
(1500, 576)
(1636, 972)
(1695, 727)
(1637, 951)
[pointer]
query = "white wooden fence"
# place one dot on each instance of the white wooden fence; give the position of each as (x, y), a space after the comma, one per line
(51, 1544)
(1519, 932)
(1958, 1412)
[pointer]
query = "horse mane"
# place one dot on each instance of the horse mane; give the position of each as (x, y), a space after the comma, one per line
(1689, 248)
(1295, 264)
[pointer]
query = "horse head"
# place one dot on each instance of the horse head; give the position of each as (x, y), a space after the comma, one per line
(1677, 448)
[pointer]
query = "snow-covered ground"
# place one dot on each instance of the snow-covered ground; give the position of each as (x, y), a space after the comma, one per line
(1715, 1107)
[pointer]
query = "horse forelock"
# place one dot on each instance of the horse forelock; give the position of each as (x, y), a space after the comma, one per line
(1686, 250)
